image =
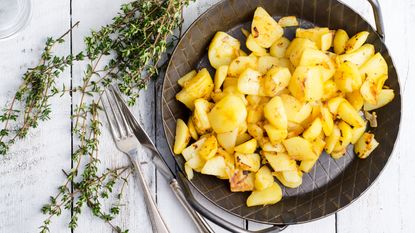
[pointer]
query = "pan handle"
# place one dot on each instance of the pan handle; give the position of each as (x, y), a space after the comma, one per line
(213, 217)
(378, 18)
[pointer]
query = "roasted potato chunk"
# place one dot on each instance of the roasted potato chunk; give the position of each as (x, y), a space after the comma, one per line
(263, 178)
(248, 162)
(356, 41)
(265, 30)
(340, 40)
(280, 161)
(365, 145)
(223, 49)
(274, 112)
(299, 149)
(279, 47)
(288, 21)
(215, 166)
(248, 147)
(227, 114)
(182, 136)
(241, 181)
(268, 196)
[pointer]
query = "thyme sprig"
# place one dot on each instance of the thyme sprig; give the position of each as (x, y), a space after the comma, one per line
(128, 52)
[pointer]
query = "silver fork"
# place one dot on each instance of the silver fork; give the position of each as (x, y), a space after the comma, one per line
(127, 143)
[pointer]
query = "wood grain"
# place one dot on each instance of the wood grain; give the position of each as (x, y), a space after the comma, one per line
(42, 155)
(31, 172)
(92, 15)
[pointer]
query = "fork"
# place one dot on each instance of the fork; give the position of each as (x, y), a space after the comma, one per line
(127, 143)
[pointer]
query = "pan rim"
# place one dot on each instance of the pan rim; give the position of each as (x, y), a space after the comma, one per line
(376, 179)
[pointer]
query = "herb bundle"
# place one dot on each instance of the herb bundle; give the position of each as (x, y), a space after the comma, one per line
(127, 53)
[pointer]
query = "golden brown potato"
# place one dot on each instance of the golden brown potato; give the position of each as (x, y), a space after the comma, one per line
(215, 166)
(333, 104)
(182, 136)
(347, 77)
(340, 40)
(314, 130)
(248, 147)
(248, 162)
(192, 129)
(314, 57)
(249, 82)
(347, 113)
(326, 41)
(365, 145)
(280, 161)
(371, 89)
(313, 34)
(227, 140)
(375, 68)
(220, 76)
(274, 112)
(279, 47)
(239, 64)
(196, 162)
(288, 21)
(294, 129)
(263, 178)
(223, 49)
(355, 99)
(255, 131)
(332, 139)
(269, 147)
(186, 78)
(200, 86)
(265, 30)
(268, 196)
(296, 48)
(241, 182)
(189, 171)
(209, 147)
(306, 83)
(299, 148)
(327, 121)
(200, 116)
(267, 62)
(358, 57)
(276, 80)
(275, 135)
(298, 177)
(357, 133)
(227, 114)
(307, 165)
(356, 41)
(346, 134)
(230, 82)
(256, 49)
(384, 97)
(330, 90)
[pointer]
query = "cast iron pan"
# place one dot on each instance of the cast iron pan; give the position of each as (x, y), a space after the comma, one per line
(332, 184)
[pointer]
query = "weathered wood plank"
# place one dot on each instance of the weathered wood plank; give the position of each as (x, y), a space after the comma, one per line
(42, 155)
(133, 216)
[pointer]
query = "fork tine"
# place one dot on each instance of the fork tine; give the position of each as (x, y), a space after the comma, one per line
(114, 113)
(114, 132)
(123, 119)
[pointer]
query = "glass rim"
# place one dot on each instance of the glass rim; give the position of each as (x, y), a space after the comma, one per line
(22, 21)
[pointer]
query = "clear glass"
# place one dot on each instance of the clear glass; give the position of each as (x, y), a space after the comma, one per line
(14, 16)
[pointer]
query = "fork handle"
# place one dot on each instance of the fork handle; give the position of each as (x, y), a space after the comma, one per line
(200, 222)
(157, 222)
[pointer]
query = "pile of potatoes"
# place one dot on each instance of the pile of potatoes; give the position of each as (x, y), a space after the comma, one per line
(273, 112)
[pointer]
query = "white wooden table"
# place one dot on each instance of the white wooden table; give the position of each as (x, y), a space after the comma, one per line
(32, 171)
